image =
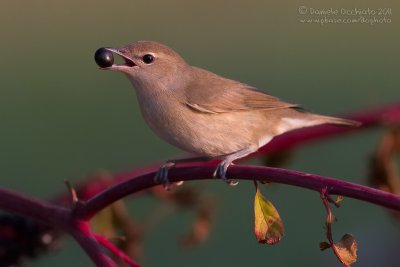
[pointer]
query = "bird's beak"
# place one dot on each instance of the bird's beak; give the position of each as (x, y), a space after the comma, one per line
(127, 65)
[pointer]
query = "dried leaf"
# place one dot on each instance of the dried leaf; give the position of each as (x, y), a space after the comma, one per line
(347, 249)
(201, 226)
(186, 197)
(339, 199)
(268, 226)
(278, 159)
(324, 245)
(383, 172)
(384, 168)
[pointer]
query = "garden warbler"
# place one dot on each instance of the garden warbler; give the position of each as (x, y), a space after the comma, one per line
(201, 112)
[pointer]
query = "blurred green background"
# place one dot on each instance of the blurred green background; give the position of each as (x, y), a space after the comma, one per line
(62, 118)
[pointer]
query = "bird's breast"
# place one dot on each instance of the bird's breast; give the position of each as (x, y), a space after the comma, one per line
(199, 133)
(165, 117)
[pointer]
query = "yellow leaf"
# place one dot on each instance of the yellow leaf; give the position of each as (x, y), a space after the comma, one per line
(104, 223)
(268, 226)
(347, 249)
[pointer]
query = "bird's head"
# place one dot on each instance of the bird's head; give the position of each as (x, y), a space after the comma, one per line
(146, 63)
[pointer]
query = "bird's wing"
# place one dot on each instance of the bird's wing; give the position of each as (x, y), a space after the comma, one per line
(210, 93)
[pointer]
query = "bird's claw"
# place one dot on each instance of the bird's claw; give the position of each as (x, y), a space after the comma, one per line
(220, 172)
(162, 175)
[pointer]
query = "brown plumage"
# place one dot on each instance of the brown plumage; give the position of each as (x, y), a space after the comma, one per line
(204, 113)
(216, 94)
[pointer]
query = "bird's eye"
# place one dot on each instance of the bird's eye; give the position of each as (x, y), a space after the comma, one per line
(148, 58)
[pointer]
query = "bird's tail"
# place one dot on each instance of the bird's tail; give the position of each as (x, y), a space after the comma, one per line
(299, 119)
(336, 121)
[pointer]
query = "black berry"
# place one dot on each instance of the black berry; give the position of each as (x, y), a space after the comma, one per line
(104, 58)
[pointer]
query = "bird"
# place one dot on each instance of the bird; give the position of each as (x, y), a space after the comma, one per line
(203, 113)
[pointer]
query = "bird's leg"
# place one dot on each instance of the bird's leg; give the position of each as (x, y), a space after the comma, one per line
(222, 167)
(162, 174)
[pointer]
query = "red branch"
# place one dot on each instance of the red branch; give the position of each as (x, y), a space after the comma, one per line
(268, 174)
(287, 141)
(81, 214)
(75, 220)
(115, 250)
(82, 233)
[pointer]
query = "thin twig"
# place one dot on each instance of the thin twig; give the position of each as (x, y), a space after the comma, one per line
(72, 191)
(328, 224)
(83, 235)
(115, 250)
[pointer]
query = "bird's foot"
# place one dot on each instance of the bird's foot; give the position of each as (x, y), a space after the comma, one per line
(162, 175)
(220, 172)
